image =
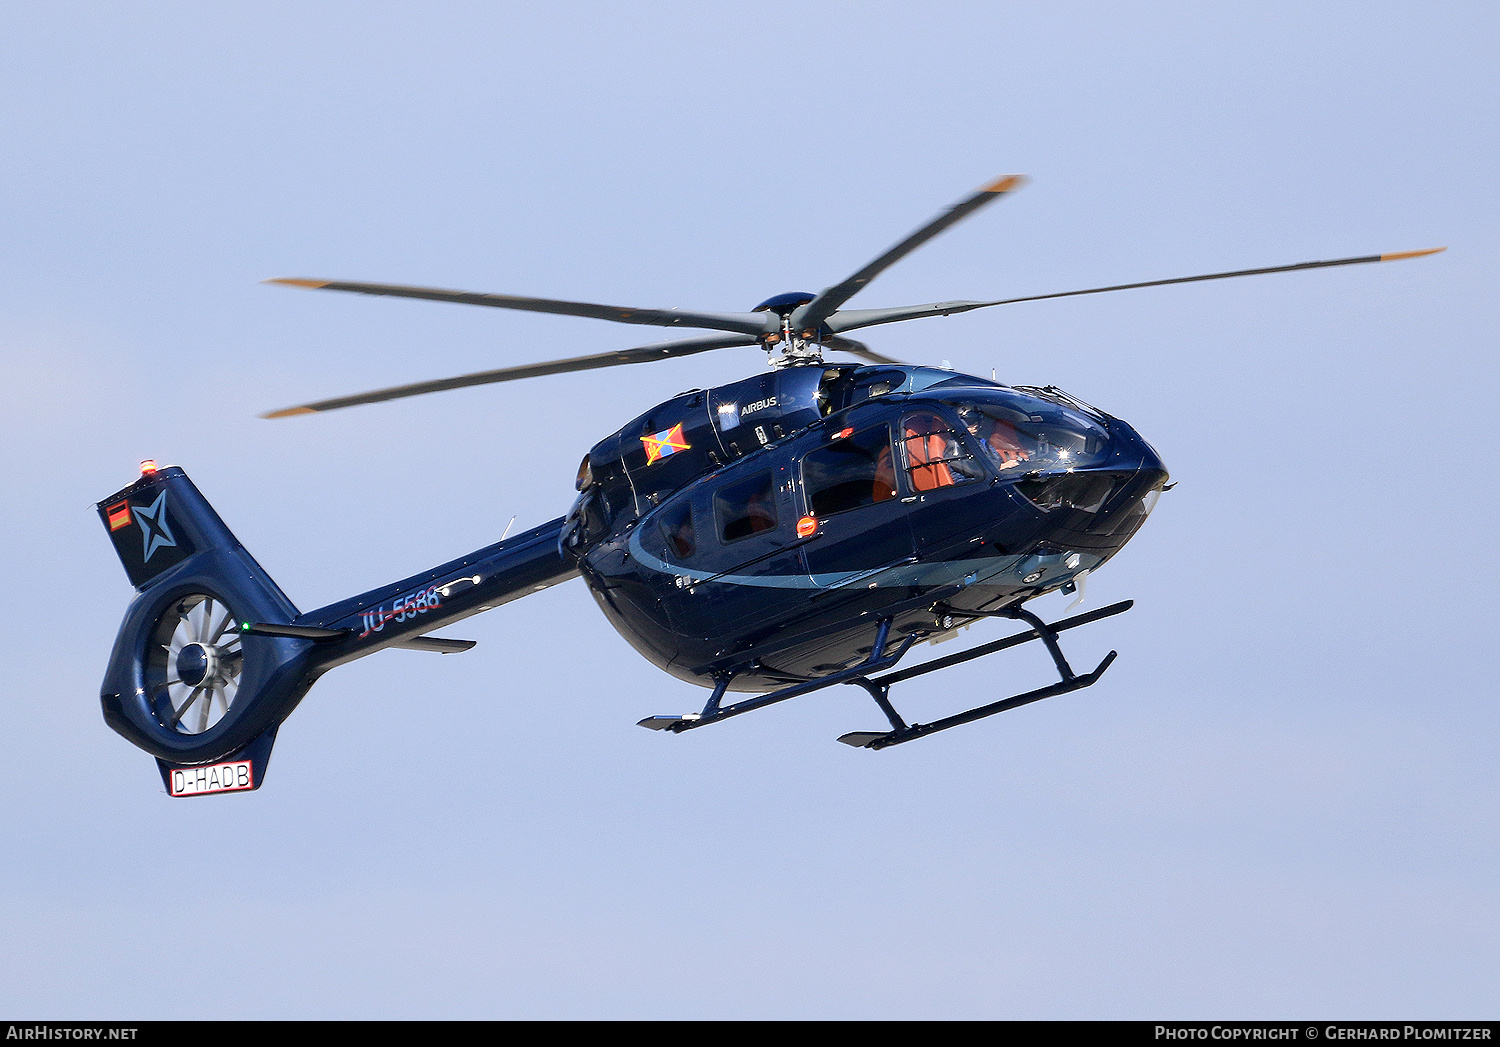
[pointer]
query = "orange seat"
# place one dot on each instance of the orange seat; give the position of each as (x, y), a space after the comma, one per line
(924, 456)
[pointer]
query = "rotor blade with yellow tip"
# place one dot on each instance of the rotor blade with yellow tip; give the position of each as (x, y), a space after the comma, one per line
(741, 323)
(809, 316)
(859, 349)
(643, 354)
(853, 319)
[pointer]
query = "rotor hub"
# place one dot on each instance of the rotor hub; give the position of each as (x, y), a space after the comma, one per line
(789, 347)
(197, 663)
(783, 305)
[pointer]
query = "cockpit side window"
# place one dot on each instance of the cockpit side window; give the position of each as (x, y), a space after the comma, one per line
(849, 473)
(935, 456)
(746, 507)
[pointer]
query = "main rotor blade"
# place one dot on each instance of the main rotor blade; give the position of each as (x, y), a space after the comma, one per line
(859, 349)
(743, 323)
(809, 316)
(853, 319)
(645, 353)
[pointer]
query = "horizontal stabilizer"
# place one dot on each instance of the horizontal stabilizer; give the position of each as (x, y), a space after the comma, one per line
(435, 644)
(293, 632)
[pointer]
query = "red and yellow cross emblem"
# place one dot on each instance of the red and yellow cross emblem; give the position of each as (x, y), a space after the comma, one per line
(664, 443)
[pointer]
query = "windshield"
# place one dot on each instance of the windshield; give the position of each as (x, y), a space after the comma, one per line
(1019, 434)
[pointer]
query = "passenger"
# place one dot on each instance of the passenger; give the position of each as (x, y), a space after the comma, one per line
(885, 475)
(682, 537)
(760, 515)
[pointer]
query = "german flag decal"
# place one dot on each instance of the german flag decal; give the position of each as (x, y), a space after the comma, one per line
(664, 443)
(119, 516)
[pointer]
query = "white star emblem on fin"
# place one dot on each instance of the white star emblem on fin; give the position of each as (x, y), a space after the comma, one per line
(153, 522)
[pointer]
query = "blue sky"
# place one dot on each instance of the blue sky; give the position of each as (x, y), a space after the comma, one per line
(1280, 801)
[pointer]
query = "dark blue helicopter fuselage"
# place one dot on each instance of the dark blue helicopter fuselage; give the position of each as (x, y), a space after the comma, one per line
(763, 529)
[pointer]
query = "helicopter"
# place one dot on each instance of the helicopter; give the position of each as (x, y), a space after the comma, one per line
(800, 529)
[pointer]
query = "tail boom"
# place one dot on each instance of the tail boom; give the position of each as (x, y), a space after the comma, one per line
(402, 612)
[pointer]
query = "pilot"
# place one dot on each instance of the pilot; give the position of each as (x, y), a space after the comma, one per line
(996, 436)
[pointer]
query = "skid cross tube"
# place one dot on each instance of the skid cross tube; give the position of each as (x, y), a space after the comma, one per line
(877, 661)
(880, 687)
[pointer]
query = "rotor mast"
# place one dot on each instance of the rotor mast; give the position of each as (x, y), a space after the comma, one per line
(791, 346)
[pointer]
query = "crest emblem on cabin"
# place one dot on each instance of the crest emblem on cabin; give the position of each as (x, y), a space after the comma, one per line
(664, 443)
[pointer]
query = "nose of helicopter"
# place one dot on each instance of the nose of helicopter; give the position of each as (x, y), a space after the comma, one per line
(1139, 474)
(1100, 506)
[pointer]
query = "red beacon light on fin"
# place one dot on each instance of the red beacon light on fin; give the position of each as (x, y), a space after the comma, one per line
(148, 467)
(807, 526)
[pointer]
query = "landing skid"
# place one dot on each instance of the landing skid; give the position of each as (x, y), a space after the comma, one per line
(879, 687)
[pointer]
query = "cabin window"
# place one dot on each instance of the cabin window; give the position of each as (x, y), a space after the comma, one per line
(869, 386)
(935, 457)
(745, 508)
(676, 524)
(850, 473)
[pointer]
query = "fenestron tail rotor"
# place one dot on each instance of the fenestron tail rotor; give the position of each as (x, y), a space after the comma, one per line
(797, 325)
